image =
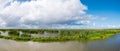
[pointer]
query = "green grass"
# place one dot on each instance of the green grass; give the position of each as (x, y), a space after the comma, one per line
(65, 35)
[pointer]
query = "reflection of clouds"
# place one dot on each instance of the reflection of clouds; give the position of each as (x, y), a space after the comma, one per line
(4, 33)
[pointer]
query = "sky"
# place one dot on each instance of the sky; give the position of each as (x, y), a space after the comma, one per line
(60, 14)
(109, 9)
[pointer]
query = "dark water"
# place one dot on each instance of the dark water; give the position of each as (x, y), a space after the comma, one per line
(111, 44)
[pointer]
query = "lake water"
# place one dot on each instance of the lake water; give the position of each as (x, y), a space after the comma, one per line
(111, 44)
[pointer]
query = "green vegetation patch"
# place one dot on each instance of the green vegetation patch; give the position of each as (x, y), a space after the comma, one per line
(64, 35)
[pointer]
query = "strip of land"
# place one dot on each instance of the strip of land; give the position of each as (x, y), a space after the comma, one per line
(53, 35)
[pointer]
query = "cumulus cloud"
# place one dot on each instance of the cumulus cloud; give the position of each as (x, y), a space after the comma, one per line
(38, 13)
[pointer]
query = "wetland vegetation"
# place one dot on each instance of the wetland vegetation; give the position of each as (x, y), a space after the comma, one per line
(53, 35)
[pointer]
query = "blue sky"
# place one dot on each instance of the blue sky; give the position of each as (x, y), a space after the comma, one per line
(104, 8)
(59, 14)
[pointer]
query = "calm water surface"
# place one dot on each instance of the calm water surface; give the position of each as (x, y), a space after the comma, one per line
(111, 44)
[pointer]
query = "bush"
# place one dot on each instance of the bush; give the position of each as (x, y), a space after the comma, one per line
(13, 33)
(25, 35)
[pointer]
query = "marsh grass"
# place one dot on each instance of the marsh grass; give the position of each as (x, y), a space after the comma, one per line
(65, 35)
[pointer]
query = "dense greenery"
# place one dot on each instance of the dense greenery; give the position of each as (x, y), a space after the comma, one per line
(64, 35)
(13, 33)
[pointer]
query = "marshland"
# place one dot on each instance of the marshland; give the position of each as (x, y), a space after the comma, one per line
(55, 35)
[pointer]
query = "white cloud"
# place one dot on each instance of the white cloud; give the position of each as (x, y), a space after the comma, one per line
(45, 14)
(2, 23)
(112, 26)
(39, 12)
